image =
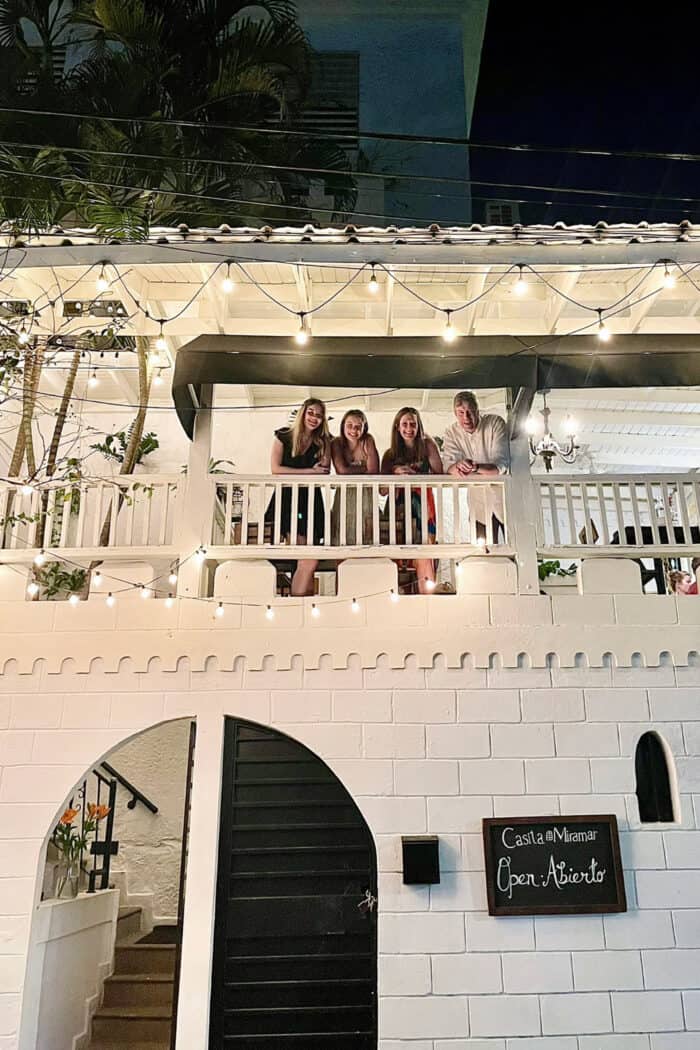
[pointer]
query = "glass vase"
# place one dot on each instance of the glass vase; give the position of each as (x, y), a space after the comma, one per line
(66, 879)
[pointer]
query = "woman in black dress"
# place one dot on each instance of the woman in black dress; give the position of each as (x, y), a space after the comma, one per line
(413, 452)
(303, 448)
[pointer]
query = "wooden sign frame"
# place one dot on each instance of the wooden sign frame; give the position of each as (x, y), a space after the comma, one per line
(608, 820)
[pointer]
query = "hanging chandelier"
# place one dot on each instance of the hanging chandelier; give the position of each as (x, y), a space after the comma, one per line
(546, 447)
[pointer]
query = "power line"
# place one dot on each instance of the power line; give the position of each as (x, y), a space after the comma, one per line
(448, 180)
(375, 135)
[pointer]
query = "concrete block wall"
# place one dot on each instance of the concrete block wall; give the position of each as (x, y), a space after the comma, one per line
(422, 749)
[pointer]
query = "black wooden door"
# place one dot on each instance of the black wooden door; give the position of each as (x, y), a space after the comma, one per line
(295, 944)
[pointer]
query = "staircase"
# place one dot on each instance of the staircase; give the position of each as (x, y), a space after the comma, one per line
(136, 1011)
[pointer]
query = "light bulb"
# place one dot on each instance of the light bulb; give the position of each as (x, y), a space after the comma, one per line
(520, 286)
(302, 335)
(169, 602)
(93, 380)
(158, 378)
(73, 600)
(110, 600)
(200, 555)
(355, 605)
(570, 426)
(220, 609)
(393, 595)
(102, 282)
(373, 283)
(228, 283)
(23, 336)
(161, 343)
(27, 490)
(39, 558)
(603, 331)
(480, 541)
(33, 588)
(429, 584)
(172, 578)
(97, 578)
(269, 613)
(530, 425)
(449, 333)
(145, 592)
(315, 611)
(669, 278)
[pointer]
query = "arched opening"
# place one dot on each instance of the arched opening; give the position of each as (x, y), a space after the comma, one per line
(295, 945)
(653, 781)
(103, 956)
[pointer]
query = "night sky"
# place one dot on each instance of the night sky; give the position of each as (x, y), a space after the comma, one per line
(598, 75)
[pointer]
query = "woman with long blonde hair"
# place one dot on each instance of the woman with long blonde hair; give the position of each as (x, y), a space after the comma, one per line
(354, 451)
(303, 448)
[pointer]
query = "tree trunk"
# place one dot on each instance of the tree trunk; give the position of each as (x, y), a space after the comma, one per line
(52, 457)
(135, 435)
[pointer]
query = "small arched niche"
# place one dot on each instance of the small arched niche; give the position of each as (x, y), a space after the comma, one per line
(654, 781)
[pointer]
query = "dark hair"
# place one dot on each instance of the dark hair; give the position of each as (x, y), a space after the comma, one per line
(466, 397)
(399, 454)
(695, 563)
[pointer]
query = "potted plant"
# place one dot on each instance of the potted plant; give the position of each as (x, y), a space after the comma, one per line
(71, 841)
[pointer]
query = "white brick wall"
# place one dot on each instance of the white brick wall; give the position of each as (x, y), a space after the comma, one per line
(427, 749)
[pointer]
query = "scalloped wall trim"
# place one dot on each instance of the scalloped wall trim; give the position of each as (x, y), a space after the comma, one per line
(509, 647)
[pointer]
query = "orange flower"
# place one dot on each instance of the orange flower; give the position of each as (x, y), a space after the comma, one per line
(69, 816)
(96, 812)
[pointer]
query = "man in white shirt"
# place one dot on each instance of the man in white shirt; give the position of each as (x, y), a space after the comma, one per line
(477, 446)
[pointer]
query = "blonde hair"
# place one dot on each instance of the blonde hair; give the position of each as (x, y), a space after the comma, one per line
(321, 438)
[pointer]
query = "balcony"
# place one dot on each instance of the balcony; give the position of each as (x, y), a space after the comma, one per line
(163, 519)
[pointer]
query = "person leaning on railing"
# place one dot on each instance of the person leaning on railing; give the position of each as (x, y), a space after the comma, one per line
(353, 451)
(412, 452)
(477, 446)
(303, 448)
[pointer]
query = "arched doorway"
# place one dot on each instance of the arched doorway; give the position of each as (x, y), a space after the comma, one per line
(295, 944)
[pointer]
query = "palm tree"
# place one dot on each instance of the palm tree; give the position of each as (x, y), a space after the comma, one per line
(178, 95)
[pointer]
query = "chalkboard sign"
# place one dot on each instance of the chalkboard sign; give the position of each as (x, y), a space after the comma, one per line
(553, 865)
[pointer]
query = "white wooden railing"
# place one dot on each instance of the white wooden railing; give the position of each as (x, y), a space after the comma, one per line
(637, 514)
(358, 514)
(128, 512)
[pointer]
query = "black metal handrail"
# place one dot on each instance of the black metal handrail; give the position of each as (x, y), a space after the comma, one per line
(136, 795)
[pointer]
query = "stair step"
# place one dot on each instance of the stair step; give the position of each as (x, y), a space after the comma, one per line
(129, 1025)
(129, 1013)
(110, 1044)
(141, 989)
(128, 922)
(144, 958)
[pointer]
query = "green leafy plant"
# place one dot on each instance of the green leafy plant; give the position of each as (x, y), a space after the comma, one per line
(56, 579)
(553, 568)
(114, 446)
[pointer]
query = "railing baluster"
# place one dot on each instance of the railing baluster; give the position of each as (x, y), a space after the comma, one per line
(589, 534)
(457, 491)
(652, 512)
(423, 512)
(277, 524)
(328, 496)
(407, 512)
(638, 535)
(391, 501)
(343, 515)
(668, 516)
(130, 498)
(489, 504)
(245, 486)
(294, 520)
(376, 538)
(439, 513)
(603, 514)
(228, 514)
(262, 505)
(621, 533)
(49, 519)
(311, 511)
(683, 511)
(570, 513)
(554, 513)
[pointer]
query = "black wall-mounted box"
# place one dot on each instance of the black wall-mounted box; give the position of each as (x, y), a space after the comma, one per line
(421, 860)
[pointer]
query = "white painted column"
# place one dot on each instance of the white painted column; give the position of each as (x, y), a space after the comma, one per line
(197, 509)
(523, 513)
(200, 887)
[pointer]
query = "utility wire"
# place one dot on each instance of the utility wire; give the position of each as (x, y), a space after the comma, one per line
(377, 135)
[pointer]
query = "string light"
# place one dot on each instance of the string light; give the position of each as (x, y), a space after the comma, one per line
(145, 591)
(158, 378)
(97, 578)
(161, 343)
(449, 333)
(302, 335)
(27, 490)
(669, 277)
(23, 335)
(73, 599)
(269, 613)
(430, 585)
(220, 610)
(40, 558)
(200, 555)
(603, 330)
(520, 286)
(393, 596)
(110, 600)
(315, 611)
(228, 283)
(480, 541)
(169, 602)
(33, 588)
(93, 380)
(373, 282)
(355, 605)
(172, 578)
(102, 282)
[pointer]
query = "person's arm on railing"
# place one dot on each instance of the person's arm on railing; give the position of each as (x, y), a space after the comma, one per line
(277, 468)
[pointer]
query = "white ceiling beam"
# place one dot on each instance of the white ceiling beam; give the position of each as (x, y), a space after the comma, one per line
(673, 395)
(389, 305)
(652, 283)
(304, 292)
(555, 303)
(477, 283)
